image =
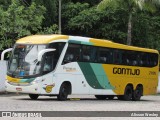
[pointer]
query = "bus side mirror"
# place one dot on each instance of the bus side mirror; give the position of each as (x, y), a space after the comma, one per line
(41, 53)
(5, 51)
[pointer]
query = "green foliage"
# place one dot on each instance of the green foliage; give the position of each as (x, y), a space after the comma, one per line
(99, 24)
(148, 34)
(18, 21)
(5, 3)
(112, 24)
(51, 11)
(79, 17)
(69, 11)
(49, 30)
(91, 2)
(132, 6)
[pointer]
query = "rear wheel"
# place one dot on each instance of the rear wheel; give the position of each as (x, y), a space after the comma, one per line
(137, 93)
(101, 97)
(128, 93)
(63, 93)
(34, 96)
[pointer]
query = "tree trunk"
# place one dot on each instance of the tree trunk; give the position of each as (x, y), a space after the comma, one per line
(129, 35)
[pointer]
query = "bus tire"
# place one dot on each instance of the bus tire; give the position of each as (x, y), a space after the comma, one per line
(63, 93)
(137, 93)
(101, 97)
(34, 96)
(128, 93)
(110, 97)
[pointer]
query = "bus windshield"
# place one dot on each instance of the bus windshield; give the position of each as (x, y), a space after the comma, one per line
(24, 61)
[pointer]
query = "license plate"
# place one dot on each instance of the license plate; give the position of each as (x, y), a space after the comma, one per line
(19, 89)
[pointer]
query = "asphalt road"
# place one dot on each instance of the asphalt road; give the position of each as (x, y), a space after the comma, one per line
(21, 102)
(76, 103)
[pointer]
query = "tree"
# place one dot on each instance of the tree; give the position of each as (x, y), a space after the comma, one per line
(89, 23)
(132, 6)
(69, 11)
(91, 2)
(49, 30)
(148, 34)
(5, 3)
(51, 11)
(18, 21)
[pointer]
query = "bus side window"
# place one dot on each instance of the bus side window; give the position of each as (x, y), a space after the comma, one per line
(68, 58)
(86, 53)
(110, 56)
(49, 64)
(89, 53)
(152, 59)
(144, 60)
(117, 56)
(72, 53)
(102, 55)
(93, 54)
(132, 57)
(125, 60)
(105, 55)
(59, 47)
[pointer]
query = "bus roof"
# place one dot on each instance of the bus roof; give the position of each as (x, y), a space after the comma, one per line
(41, 39)
(100, 42)
(45, 39)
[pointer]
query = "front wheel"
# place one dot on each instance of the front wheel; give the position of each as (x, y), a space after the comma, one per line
(63, 93)
(34, 96)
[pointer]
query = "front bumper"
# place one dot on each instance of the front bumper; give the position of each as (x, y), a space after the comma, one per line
(31, 89)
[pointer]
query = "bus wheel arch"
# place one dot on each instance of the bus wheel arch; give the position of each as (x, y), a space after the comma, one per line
(64, 91)
(138, 92)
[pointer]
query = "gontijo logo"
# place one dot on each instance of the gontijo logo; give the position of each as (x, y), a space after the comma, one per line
(126, 71)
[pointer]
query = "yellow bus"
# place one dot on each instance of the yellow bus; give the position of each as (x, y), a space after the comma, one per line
(60, 65)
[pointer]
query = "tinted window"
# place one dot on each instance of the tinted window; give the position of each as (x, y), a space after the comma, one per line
(152, 59)
(89, 53)
(86, 53)
(131, 58)
(49, 62)
(59, 47)
(50, 59)
(105, 55)
(117, 58)
(73, 53)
